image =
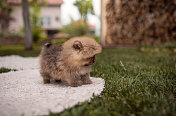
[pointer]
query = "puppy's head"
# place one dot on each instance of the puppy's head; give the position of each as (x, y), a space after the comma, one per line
(81, 50)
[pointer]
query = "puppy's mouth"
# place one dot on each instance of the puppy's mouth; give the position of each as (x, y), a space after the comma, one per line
(91, 61)
(87, 64)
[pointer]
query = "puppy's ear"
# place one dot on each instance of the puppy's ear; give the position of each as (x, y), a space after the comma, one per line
(77, 45)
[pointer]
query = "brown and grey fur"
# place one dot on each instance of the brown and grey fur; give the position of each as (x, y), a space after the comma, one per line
(70, 62)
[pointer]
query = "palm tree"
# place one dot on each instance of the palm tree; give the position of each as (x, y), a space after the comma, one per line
(85, 7)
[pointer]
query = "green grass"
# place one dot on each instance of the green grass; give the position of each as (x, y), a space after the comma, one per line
(19, 50)
(5, 70)
(137, 83)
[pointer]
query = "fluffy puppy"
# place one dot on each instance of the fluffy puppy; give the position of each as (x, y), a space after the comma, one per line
(70, 62)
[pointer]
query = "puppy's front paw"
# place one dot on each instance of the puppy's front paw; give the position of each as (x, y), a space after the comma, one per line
(85, 82)
(46, 81)
(57, 81)
(76, 84)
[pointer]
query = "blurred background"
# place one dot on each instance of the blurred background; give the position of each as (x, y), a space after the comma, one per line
(114, 23)
(32, 22)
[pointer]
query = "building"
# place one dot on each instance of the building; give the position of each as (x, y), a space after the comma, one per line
(91, 29)
(50, 14)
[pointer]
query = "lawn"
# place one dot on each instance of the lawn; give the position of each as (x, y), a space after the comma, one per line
(137, 83)
(19, 50)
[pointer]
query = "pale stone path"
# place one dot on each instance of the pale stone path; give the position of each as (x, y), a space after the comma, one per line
(23, 93)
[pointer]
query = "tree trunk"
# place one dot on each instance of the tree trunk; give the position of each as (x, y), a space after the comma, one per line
(135, 22)
(4, 26)
(27, 26)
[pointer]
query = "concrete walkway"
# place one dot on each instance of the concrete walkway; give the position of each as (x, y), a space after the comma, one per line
(23, 93)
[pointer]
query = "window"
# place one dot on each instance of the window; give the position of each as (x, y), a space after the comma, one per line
(57, 18)
(46, 21)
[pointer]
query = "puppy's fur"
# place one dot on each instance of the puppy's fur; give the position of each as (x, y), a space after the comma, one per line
(70, 62)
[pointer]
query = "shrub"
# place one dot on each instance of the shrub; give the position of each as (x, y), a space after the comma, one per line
(168, 45)
(75, 28)
(1, 33)
(12, 34)
(37, 34)
(59, 41)
(96, 38)
(15, 35)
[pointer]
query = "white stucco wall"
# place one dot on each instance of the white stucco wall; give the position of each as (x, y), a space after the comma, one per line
(17, 21)
(52, 13)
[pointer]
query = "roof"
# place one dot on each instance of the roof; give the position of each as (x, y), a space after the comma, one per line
(49, 2)
(61, 35)
(91, 26)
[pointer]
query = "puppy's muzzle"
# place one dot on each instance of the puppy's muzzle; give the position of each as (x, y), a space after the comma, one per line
(91, 61)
